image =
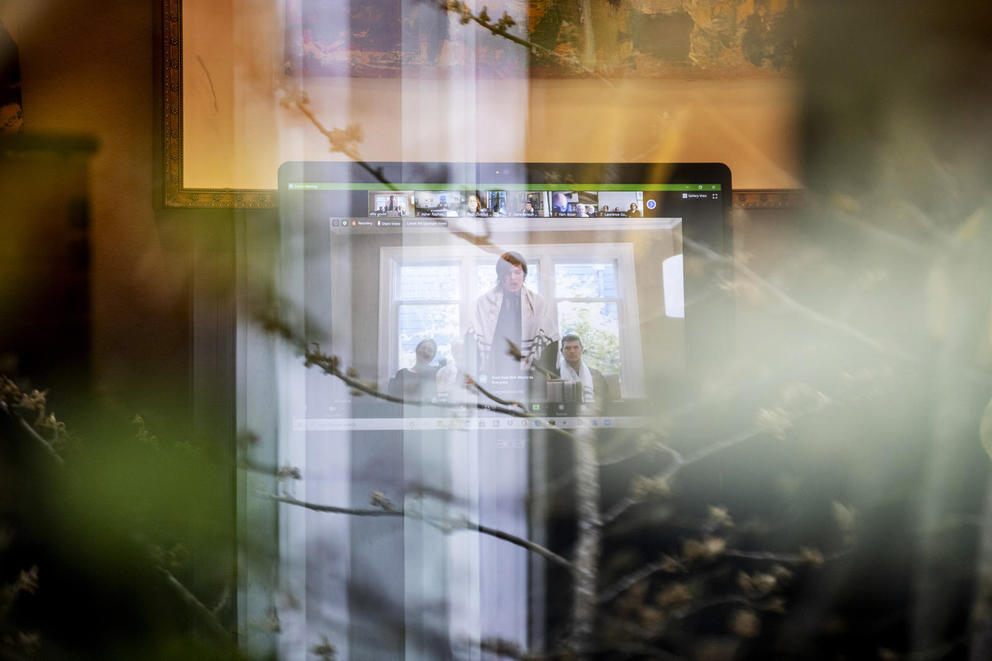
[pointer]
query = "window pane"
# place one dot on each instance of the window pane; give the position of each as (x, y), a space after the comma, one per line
(486, 277)
(586, 280)
(422, 322)
(598, 325)
(428, 282)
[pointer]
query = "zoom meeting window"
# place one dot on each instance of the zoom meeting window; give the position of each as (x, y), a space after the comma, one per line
(563, 303)
(565, 300)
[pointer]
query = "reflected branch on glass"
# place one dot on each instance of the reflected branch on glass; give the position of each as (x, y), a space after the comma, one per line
(772, 421)
(445, 524)
(501, 28)
(13, 400)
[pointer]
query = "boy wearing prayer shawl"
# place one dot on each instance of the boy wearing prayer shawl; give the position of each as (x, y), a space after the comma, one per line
(510, 313)
(574, 369)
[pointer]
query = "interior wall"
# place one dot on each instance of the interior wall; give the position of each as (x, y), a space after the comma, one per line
(89, 68)
(162, 309)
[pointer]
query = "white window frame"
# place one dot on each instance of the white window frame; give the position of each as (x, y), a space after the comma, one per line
(395, 302)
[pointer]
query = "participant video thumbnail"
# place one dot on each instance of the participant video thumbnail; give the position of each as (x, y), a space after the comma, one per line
(620, 204)
(438, 204)
(574, 204)
(453, 203)
(390, 203)
(528, 204)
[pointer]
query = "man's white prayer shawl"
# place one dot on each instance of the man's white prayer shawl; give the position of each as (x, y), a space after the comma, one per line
(583, 375)
(538, 321)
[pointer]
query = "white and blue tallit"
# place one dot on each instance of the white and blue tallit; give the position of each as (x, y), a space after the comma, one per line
(538, 326)
(582, 375)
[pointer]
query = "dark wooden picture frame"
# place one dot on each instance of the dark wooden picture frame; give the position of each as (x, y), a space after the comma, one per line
(176, 194)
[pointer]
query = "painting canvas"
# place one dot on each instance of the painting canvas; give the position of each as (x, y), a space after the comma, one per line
(543, 38)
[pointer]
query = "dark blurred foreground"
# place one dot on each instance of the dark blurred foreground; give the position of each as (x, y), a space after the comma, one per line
(874, 295)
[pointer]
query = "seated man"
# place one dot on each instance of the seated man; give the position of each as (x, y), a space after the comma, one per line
(418, 383)
(573, 369)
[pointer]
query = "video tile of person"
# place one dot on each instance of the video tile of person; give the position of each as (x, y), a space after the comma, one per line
(456, 204)
(481, 204)
(573, 204)
(620, 204)
(602, 204)
(439, 204)
(526, 204)
(394, 204)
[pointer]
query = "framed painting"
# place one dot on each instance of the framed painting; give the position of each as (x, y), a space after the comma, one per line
(646, 38)
(517, 81)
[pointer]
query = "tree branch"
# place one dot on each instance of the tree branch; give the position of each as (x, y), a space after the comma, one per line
(33, 433)
(474, 384)
(789, 301)
(209, 617)
(329, 365)
(588, 546)
(341, 140)
(631, 579)
(680, 461)
(693, 608)
(805, 556)
(655, 446)
(808, 556)
(500, 28)
(198, 606)
(483, 240)
(510, 650)
(446, 525)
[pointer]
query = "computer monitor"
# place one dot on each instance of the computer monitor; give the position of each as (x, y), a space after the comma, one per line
(574, 290)
(491, 310)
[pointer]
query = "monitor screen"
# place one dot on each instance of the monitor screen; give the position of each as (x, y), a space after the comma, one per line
(459, 294)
